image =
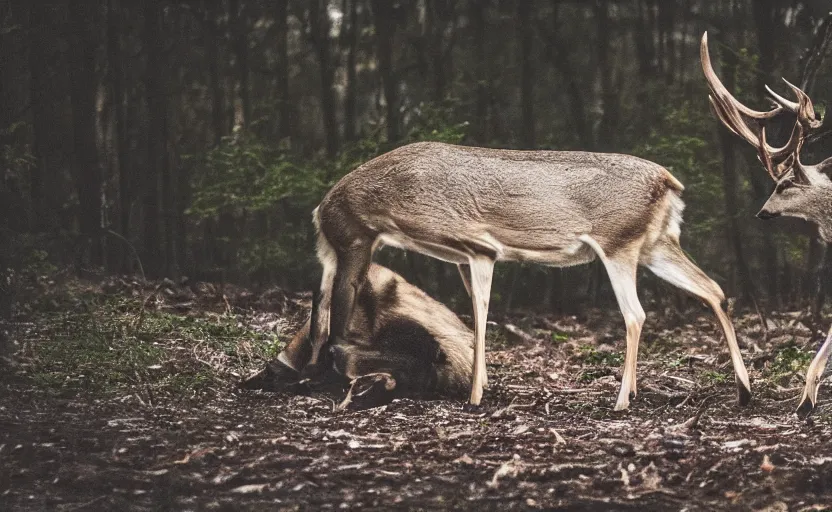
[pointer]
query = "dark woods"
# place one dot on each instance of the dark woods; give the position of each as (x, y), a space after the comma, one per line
(194, 138)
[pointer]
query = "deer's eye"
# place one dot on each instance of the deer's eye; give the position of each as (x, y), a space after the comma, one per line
(784, 185)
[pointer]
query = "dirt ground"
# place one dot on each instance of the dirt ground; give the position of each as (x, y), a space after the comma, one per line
(122, 396)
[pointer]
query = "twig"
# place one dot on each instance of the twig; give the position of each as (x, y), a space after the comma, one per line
(88, 503)
(762, 316)
(138, 325)
(132, 248)
(815, 54)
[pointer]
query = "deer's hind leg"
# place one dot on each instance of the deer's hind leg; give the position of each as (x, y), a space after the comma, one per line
(667, 260)
(813, 377)
(482, 270)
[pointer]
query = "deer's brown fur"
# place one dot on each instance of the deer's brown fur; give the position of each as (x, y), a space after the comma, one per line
(475, 206)
(397, 330)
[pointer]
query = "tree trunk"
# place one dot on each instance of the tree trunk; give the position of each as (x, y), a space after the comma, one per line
(239, 28)
(284, 106)
(729, 184)
(437, 13)
(120, 149)
(217, 103)
(181, 201)
(766, 34)
(559, 53)
(643, 36)
(350, 97)
(41, 122)
(319, 33)
(609, 94)
(83, 16)
(157, 158)
(666, 18)
(524, 55)
(476, 15)
(385, 24)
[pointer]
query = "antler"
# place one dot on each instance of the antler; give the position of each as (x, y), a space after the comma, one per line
(750, 124)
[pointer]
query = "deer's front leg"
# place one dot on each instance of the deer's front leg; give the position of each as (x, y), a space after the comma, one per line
(813, 378)
(622, 271)
(623, 277)
(463, 273)
(482, 269)
(350, 274)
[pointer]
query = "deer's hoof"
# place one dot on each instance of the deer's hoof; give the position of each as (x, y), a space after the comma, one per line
(274, 377)
(622, 405)
(743, 394)
(471, 408)
(805, 409)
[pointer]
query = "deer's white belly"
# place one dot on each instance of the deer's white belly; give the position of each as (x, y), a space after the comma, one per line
(574, 253)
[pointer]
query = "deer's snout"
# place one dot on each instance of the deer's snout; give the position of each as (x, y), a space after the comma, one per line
(766, 214)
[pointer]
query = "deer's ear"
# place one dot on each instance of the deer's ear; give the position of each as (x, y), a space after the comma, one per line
(825, 167)
(799, 174)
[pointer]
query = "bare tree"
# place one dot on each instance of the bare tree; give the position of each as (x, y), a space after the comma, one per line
(319, 27)
(526, 60)
(239, 32)
(385, 25)
(83, 18)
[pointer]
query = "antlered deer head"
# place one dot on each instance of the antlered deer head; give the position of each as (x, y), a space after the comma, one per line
(801, 190)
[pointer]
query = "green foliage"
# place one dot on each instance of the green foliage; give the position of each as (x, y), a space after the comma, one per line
(271, 191)
(790, 361)
(16, 160)
(437, 123)
(102, 347)
(713, 377)
(559, 337)
(244, 174)
(598, 364)
(683, 143)
(86, 352)
(591, 356)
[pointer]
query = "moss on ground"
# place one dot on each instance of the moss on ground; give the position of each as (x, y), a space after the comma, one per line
(106, 345)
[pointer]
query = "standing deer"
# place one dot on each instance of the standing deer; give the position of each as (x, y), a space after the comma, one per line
(398, 337)
(475, 206)
(803, 191)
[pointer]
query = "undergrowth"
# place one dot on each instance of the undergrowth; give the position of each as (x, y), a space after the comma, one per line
(116, 345)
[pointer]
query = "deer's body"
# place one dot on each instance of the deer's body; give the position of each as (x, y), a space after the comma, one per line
(453, 201)
(475, 206)
(396, 330)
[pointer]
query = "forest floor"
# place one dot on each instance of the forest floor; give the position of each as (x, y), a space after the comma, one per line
(122, 396)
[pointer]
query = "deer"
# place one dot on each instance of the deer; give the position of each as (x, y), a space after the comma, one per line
(474, 206)
(800, 190)
(400, 341)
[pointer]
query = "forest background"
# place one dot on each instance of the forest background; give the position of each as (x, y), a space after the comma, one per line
(194, 138)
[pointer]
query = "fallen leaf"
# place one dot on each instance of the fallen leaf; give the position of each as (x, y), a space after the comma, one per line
(520, 429)
(465, 459)
(767, 466)
(558, 438)
(511, 469)
(249, 488)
